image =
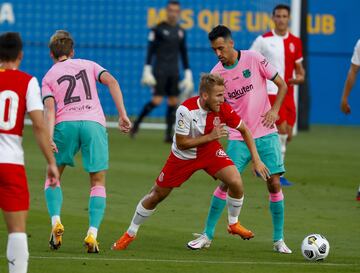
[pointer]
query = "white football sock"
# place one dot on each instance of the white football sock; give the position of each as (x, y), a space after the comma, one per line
(140, 215)
(17, 252)
(234, 208)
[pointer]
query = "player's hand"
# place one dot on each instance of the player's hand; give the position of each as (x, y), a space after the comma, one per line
(269, 118)
(124, 124)
(259, 169)
(53, 174)
(219, 131)
(292, 81)
(148, 78)
(345, 107)
(53, 147)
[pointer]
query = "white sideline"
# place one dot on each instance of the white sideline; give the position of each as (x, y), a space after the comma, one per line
(113, 124)
(189, 261)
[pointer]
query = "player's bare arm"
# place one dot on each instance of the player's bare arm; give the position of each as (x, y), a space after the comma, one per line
(257, 165)
(270, 117)
(49, 117)
(184, 142)
(299, 74)
(115, 91)
(349, 83)
(43, 139)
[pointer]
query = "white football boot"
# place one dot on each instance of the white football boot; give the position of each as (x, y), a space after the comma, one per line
(281, 247)
(202, 241)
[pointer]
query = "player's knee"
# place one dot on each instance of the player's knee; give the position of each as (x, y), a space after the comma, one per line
(235, 185)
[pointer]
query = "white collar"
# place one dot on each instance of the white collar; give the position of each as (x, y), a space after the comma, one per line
(280, 36)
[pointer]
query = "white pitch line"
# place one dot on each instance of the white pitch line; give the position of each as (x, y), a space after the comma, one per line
(188, 261)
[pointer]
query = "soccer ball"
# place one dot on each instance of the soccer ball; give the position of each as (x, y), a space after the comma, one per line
(315, 247)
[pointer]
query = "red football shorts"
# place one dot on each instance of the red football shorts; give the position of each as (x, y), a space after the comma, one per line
(287, 110)
(176, 171)
(14, 193)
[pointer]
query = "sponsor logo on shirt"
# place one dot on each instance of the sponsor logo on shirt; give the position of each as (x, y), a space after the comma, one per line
(79, 108)
(238, 93)
(246, 73)
(181, 34)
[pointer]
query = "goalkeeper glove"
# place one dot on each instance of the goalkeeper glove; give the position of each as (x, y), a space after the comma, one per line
(148, 78)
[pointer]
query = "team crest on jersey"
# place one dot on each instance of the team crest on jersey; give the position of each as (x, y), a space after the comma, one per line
(216, 121)
(181, 34)
(221, 153)
(292, 47)
(247, 73)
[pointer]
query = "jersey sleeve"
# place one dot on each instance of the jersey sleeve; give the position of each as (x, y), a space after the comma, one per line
(299, 52)
(356, 55)
(33, 96)
(46, 90)
(183, 121)
(266, 69)
(231, 118)
(183, 51)
(98, 70)
(151, 46)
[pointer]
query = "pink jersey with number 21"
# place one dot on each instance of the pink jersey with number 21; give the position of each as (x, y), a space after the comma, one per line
(72, 83)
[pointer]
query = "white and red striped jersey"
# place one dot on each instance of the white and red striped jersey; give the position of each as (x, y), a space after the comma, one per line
(282, 52)
(19, 93)
(194, 121)
(355, 59)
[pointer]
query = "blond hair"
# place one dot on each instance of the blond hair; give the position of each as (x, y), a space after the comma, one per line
(208, 81)
(61, 44)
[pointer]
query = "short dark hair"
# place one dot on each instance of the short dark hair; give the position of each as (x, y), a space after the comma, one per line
(219, 31)
(281, 6)
(61, 44)
(10, 46)
(173, 2)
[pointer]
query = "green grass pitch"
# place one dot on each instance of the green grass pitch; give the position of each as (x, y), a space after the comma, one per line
(324, 164)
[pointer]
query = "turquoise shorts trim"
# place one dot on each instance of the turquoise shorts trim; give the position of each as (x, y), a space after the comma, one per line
(88, 136)
(268, 148)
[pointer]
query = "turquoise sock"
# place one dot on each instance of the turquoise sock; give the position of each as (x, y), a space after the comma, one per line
(97, 207)
(54, 199)
(216, 208)
(277, 213)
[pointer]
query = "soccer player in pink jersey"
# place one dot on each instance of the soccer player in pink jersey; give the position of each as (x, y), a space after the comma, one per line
(283, 50)
(19, 93)
(245, 73)
(199, 125)
(76, 122)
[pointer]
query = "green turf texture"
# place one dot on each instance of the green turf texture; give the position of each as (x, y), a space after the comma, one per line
(324, 165)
